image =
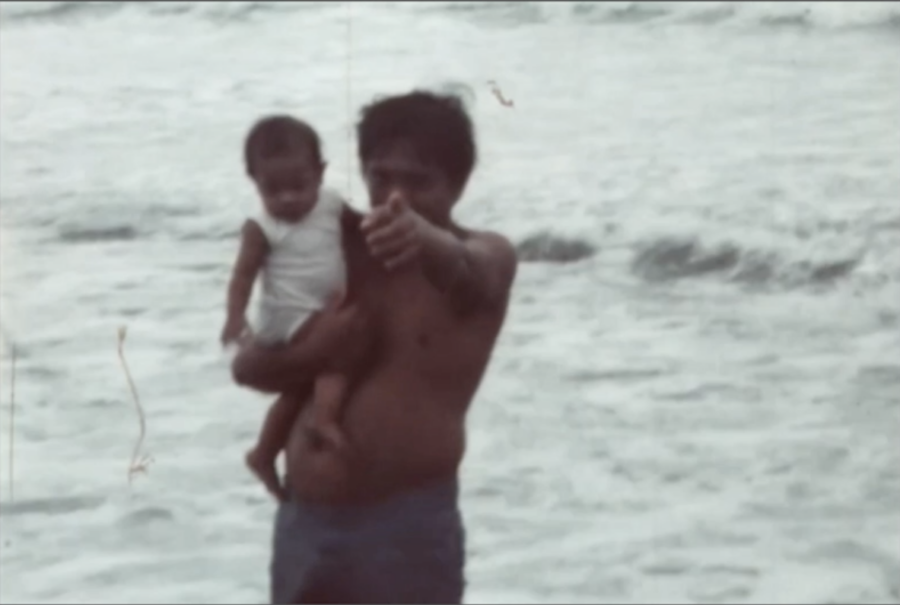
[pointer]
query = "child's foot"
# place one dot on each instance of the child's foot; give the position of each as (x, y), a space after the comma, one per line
(264, 469)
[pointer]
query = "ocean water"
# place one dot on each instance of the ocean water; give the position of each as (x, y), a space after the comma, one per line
(696, 397)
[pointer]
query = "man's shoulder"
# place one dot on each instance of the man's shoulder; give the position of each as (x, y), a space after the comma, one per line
(356, 254)
(498, 244)
(493, 264)
(348, 211)
(496, 249)
(351, 220)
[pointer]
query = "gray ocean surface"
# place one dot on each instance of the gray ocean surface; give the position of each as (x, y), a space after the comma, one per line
(697, 394)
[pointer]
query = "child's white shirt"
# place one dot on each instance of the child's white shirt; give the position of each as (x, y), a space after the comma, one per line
(305, 267)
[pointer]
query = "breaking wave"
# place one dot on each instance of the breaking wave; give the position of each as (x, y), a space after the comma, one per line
(829, 16)
(682, 258)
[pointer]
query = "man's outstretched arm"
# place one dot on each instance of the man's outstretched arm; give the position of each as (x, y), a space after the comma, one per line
(476, 269)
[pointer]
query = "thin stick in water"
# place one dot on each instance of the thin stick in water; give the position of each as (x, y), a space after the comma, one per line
(12, 423)
(138, 462)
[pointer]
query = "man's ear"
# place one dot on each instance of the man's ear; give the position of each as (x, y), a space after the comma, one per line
(322, 168)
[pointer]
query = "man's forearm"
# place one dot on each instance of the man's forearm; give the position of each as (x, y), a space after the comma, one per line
(446, 261)
(474, 271)
(281, 370)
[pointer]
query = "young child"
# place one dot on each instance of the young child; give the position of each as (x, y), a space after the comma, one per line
(294, 245)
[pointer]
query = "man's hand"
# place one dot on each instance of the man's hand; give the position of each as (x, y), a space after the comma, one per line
(395, 233)
(475, 270)
(233, 330)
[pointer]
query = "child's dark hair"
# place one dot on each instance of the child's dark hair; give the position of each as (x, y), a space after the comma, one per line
(279, 135)
(436, 125)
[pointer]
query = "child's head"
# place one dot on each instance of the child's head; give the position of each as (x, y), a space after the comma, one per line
(283, 156)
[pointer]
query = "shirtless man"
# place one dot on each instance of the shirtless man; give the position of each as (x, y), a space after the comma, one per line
(380, 523)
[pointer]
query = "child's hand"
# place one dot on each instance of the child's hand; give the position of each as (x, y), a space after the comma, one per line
(233, 330)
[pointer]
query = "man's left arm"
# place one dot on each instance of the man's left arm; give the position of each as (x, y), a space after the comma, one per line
(474, 269)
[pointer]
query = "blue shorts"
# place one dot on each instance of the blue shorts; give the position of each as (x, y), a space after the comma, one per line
(408, 548)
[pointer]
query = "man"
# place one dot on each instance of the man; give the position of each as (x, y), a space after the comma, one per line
(380, 521)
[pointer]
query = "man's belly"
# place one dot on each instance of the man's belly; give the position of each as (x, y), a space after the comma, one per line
(399, 438)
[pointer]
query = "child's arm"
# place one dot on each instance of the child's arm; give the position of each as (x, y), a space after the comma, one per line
(254, 248)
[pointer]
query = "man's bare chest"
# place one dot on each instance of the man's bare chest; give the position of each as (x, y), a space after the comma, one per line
(409, 316)
(413, 316)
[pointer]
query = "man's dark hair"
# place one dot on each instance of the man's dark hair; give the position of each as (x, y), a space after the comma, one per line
(280, 135)
(437, 126)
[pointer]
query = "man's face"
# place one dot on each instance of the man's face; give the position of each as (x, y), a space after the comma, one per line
(288, 185)
(397, 168)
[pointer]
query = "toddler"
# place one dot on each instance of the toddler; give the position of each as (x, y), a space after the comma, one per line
(294, 246)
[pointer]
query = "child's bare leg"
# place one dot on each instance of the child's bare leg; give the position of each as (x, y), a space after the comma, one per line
(272, 439)
(328, 396)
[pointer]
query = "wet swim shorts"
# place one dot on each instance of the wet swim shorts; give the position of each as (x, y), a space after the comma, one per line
(408, 548)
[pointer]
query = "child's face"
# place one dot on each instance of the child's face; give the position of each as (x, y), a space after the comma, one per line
(288, 185)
